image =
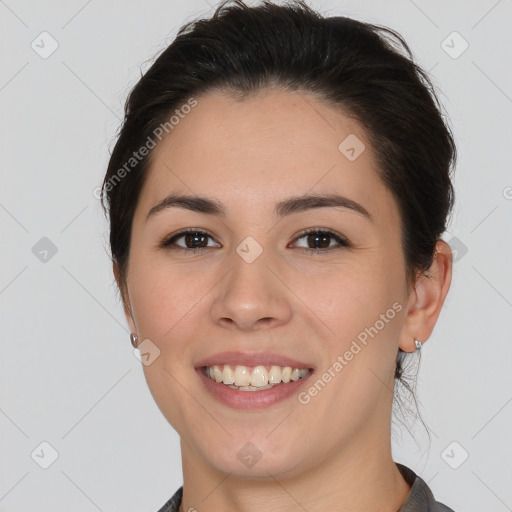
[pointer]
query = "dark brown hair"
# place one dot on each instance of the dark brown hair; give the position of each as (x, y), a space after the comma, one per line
(365, 70)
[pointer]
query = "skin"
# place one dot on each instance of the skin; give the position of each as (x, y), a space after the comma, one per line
(333, 453)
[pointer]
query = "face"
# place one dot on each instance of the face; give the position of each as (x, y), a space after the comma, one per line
(249, 288)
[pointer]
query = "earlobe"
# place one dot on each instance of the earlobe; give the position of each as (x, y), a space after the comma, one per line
(427, 298)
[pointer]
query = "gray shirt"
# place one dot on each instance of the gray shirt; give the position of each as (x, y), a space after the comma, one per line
(419, 499)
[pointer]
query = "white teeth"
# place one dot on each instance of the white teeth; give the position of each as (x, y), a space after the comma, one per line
(274, 375)
(250, 388)
(217, 374)
(295, 374)
(228, 377)
(257, 379)
(242, 376)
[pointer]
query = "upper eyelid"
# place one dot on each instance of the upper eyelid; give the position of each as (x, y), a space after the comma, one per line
(187, 231)
(341, 238)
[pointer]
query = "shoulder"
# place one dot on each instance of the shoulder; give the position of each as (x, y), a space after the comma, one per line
(420, 498)
(174, 503)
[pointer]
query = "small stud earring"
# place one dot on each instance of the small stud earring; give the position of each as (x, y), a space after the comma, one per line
(134, 339)
(418, 344)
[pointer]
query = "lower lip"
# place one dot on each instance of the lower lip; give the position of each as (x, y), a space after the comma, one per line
(251, 399)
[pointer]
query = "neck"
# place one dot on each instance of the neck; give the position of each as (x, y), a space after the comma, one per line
(360, 477)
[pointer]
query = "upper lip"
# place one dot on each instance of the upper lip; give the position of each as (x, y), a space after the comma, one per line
(252, 359)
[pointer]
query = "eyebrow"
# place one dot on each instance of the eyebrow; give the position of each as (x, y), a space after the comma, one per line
(288, 206)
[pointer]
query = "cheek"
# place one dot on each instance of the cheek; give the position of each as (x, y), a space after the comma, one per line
(341, 300)
(362, 307)
(168, 310)
(364, 319)
(350, 298)
(164, 299)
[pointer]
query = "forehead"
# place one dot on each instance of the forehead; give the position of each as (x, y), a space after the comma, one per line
(267, 146)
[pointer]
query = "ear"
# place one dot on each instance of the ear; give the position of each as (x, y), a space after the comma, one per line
(427, 298)
(124, 297)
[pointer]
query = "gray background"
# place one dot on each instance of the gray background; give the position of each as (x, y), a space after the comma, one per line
(68, 374)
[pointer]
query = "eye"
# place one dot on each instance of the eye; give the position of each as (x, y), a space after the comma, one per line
(322, 239)
(193, 240)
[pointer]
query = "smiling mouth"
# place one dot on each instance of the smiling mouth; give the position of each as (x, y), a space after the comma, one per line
(257, 378)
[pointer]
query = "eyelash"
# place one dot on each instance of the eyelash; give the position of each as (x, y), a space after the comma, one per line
(343, 242)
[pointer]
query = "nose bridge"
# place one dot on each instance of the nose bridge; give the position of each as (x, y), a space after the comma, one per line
(249, 269)
(250, 294)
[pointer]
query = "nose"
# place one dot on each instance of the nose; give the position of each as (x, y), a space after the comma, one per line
(251, 296)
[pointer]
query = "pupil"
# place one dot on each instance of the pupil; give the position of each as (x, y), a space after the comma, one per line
(191, 240)
(315, 237)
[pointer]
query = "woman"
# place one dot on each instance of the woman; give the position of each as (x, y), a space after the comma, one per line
(276, 197)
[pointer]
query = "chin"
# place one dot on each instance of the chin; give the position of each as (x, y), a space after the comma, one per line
(254, 457)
